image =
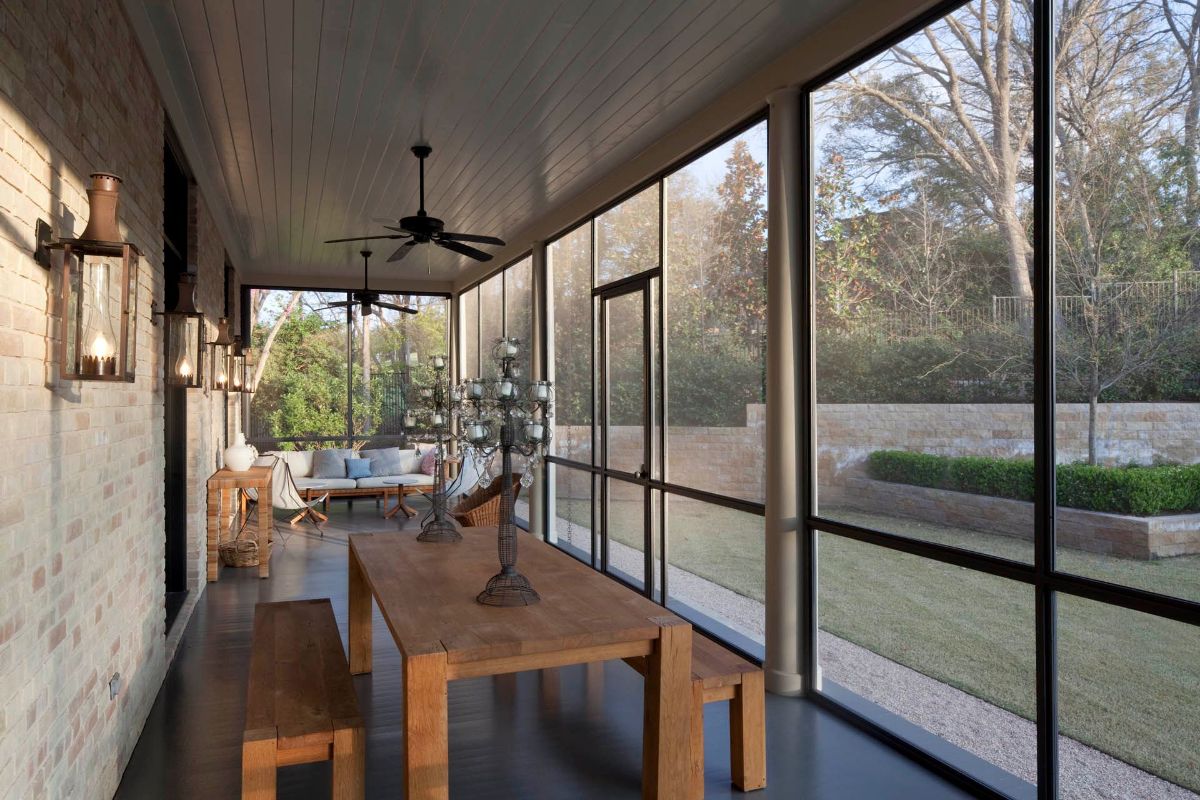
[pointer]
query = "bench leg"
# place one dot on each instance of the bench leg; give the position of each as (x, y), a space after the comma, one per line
(349, 763)
(747, 733)
(258, 770)
(696, 755)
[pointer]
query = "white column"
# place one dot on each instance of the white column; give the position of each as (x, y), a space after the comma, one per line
(785, 193)
(537, 521)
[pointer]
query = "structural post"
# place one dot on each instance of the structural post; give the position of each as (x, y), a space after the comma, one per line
(537, 359)
(785, 641)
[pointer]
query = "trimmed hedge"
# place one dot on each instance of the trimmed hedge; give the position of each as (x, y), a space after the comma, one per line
(1134, 490)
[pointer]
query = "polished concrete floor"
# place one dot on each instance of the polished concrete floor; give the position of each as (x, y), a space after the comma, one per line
(512, 737)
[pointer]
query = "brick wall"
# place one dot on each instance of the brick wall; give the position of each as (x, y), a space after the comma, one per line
(726, 461)
(81, 531)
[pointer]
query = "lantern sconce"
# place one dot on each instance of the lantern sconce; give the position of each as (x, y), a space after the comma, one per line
(221, 347)
(98, 332)
(184, 340)
(238, 376)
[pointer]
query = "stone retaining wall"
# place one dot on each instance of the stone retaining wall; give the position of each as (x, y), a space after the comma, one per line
(1092, 531)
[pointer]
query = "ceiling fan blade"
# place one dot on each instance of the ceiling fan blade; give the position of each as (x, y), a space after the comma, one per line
(466, 250)
(340, 304)
(394, 228)
(402, 250)
(470, 237)
(402, 309)
(363, 238)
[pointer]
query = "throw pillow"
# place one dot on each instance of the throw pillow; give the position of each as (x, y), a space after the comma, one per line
(410, 461)
(385, 461)
(429, 461)
(331, 463)
(358, 468)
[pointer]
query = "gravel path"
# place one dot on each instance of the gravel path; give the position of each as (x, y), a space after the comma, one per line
(987, 731)
(991, 733)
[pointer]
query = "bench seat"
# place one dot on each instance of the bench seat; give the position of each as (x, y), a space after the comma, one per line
(300, 702)
(719, 674)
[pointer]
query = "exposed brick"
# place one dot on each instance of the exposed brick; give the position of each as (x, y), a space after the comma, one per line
(82, 471)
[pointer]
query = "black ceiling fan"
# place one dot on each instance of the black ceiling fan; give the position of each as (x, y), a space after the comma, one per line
(422, 228)
(367, 298)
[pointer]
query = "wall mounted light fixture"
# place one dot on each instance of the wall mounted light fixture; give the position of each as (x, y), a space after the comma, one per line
(238, 376)
(220, 348)
(184, 340)
(98, 333)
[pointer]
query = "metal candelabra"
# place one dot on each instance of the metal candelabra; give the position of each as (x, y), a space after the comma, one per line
(506, 416)
(436, 410)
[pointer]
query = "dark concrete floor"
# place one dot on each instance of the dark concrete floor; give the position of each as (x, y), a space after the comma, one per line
(508, 737)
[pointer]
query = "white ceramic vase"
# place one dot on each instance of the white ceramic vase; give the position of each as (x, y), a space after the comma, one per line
(240, 456)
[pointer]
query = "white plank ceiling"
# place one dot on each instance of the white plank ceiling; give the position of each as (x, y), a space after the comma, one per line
(301, 113)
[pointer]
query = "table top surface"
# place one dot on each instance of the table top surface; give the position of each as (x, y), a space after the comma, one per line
(426, 593)
(230, 478)
(402, 480)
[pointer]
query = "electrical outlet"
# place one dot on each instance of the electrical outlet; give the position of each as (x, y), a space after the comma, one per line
(114, 686)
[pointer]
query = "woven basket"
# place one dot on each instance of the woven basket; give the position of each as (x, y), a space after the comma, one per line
(239, 553)
(482, 507)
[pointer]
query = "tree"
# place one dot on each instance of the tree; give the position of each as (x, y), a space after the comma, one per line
(847, 231)
(264, 350)
(956, 103)
(925, 272)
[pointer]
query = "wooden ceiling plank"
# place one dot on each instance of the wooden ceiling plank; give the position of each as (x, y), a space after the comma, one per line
(691, 63)
(616, 26)
(197, 43)
(585, 125)
(278, 39)
(222, 32)
(307, 27)
(336, 22)
(252, 43)
(365, 133)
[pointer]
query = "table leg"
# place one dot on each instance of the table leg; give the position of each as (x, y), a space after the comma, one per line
(666, 750)
(214, 530)
(228, 503)
(265, 509)
(394, 510)
(360, 618)
(426, 727)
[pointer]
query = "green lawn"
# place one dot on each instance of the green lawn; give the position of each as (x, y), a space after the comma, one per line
(1129, 683)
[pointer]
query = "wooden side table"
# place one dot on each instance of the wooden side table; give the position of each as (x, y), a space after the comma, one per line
(222, 502)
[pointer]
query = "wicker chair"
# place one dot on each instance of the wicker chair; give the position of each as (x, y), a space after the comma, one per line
(482, 507)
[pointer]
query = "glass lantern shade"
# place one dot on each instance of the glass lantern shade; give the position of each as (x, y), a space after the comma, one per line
(506, 348)
(184, 338)
(99, 290)
(219, 350)
(98, 334)
(237, 367)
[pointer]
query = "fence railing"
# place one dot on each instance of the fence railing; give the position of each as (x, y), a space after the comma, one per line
(1160, 301)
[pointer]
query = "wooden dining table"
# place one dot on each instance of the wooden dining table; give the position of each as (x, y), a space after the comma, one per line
(426, 594)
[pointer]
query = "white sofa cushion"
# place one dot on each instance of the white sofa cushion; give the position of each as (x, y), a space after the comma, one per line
(381, 482)
(324, 483)
(299, 461)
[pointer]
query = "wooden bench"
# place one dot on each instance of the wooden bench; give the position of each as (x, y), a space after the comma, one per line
(718, 674)
(300, 704)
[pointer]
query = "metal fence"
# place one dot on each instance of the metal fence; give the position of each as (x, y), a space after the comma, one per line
(1153, 301)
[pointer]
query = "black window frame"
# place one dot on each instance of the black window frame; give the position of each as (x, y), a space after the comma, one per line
(1042, 575)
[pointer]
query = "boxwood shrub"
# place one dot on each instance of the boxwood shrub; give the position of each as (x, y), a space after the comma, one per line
(1136, 490)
